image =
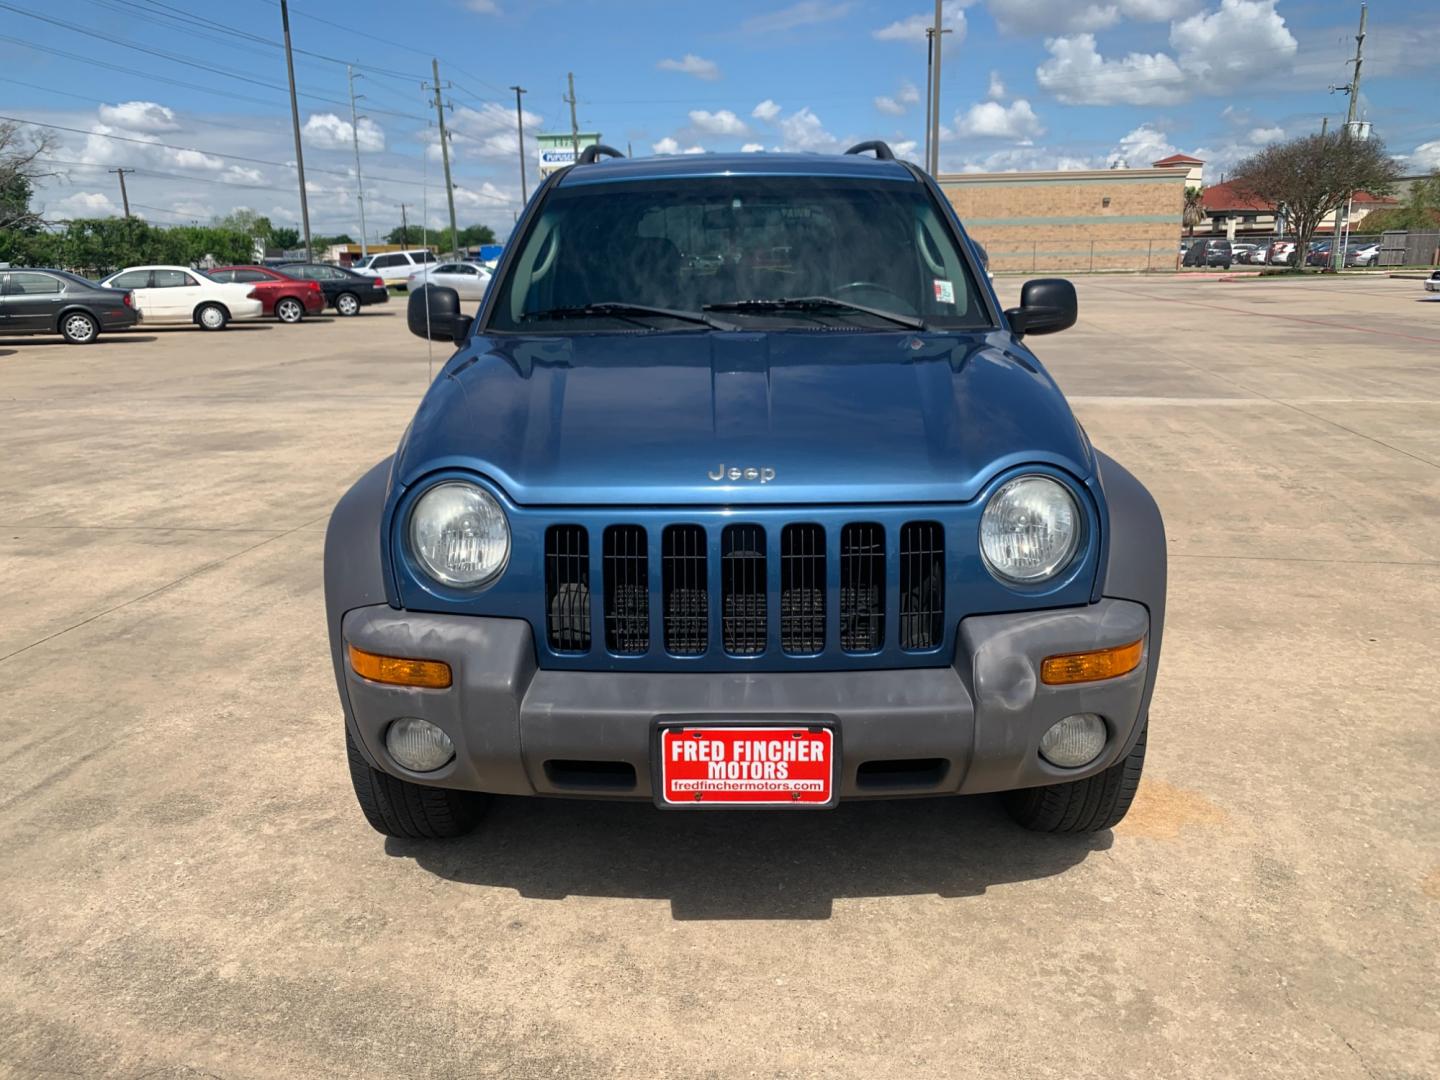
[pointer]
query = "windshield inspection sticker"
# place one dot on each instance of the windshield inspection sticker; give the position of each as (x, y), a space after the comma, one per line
(944, 291)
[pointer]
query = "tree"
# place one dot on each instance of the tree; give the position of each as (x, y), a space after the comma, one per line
(470, 236)
(243, 219)
(285, 238)
(20, 167)
(1315, 175)
(319, 242)
(1194, 212)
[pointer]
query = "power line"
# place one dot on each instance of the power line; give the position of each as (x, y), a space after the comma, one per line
(236, 157)
(177, 59)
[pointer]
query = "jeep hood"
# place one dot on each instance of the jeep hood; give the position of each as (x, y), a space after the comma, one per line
(653, 419)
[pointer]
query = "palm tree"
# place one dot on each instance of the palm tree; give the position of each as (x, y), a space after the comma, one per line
(1194, 212)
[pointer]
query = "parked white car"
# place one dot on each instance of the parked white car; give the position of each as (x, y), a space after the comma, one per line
(395, 267)
(1432, 283)
(469, 279)
(178, 294)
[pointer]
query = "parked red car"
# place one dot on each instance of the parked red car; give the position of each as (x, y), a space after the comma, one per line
(289, 299)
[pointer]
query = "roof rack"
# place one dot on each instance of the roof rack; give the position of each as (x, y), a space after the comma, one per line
(881, 150)
(591, 154)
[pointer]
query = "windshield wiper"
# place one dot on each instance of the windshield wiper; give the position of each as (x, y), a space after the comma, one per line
(816, 304)
(622, 310)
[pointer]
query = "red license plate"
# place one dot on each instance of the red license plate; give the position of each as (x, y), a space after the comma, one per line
(747, 766)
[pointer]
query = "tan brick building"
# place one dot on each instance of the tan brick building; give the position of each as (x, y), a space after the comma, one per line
(1104, 219)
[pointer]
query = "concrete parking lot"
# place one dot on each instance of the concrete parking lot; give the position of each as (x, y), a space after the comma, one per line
(187, 887)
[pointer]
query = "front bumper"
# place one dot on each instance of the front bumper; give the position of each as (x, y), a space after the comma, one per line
(973, 726)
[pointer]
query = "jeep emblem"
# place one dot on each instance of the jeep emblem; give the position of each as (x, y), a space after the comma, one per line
(734, 472)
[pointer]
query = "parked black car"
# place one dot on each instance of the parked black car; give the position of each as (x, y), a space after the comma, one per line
(1208, 253)
(58, 302)
(345, 290)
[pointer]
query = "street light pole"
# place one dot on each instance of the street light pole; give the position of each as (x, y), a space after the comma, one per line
(355, 139)
(295, 122)
(124, 197)
(929, 82)
(520, 129)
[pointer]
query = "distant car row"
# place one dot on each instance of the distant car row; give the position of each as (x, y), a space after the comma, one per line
(1222, 253)
(45, 301)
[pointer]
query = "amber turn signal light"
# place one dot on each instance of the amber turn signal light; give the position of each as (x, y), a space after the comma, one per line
(398, 671)
(1091, 666)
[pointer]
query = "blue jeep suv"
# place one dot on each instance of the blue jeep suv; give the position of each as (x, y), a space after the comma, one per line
(741, 491)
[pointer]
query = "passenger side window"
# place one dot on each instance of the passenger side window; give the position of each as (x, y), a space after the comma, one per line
(172, 279)
(224, 276)
(246, 276)
(425, 257)
(33, 285)
(384, 261)
(132, 279)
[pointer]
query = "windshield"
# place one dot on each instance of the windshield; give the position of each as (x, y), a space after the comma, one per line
(725, 243)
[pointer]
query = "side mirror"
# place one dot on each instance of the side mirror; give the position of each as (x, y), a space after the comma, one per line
(434, 312)
(1047, 306)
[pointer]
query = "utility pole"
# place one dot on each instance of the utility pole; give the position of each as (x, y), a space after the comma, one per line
(1354, 87)
(929, 82)
(520, 129)
(355, 138)
(404, 227)
(937, 34)
(1324, 124)
(295, 122)
(574, 124)
(124, 198)
(445, 155)
(1337, 248)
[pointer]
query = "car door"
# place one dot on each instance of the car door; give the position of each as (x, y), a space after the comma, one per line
(467, 281)
(138, 283)
(32, 302)
(178, 293)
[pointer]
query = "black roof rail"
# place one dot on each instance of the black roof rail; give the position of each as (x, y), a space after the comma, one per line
(881, 149)
(592, 154)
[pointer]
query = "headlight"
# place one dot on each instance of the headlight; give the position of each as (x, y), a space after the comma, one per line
(1030, 529)
(459, 534)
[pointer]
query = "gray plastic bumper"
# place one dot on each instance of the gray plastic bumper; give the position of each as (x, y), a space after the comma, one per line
(974, 726)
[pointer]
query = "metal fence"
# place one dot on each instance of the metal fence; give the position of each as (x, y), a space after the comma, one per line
(1029, 256)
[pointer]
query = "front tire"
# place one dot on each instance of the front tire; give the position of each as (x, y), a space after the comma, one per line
(212, 317)
(289, 310)
(77, 328)
(1082, 806)
(347, 304)
(396, 807)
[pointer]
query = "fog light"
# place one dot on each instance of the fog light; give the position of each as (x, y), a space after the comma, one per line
(1077, 740)
(418, 745)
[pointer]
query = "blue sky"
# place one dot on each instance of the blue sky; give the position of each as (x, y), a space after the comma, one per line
(192, 95)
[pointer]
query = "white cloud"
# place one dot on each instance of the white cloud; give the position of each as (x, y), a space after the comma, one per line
(905, 148)
(767, 111)
(805, 13)
(723, 122)
(486, 132)
(996, 89)
(990, 119)
(909, 94)
(1138, 148)
(1079, 16)
(1078, 75)
(1018, 159)
(690, 64)
(85, 204)
(483, 7)
(752, 148)
(327, 131)
(140, 116)
(803, 130)
(239, 174)
(1240, 38)
(1266, 134)
(889, 106)
(912, 28)
(1427, 155)
(906, 96)
(668, 145)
